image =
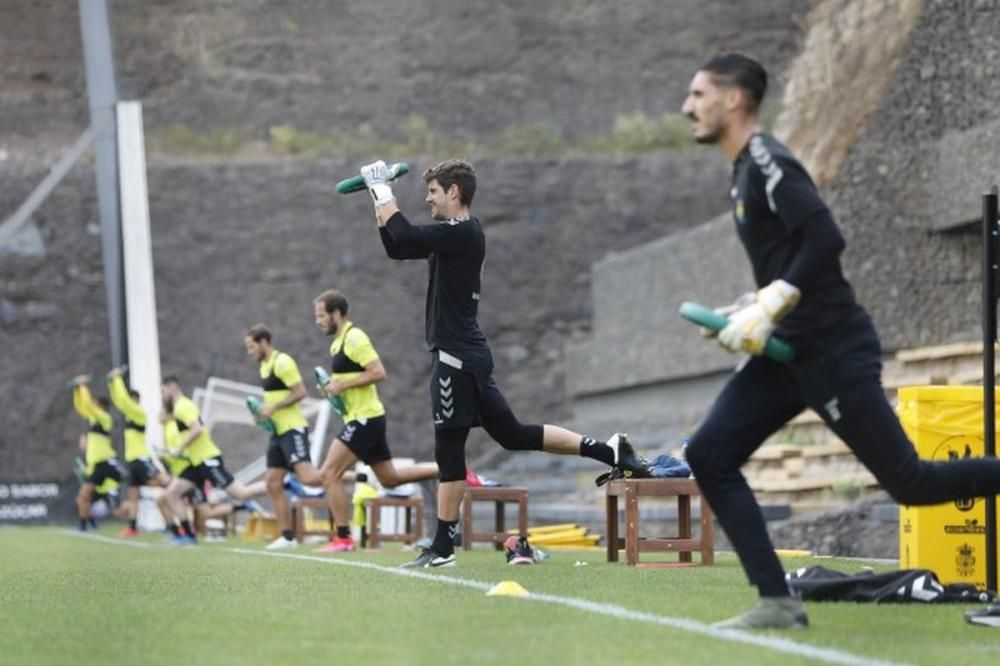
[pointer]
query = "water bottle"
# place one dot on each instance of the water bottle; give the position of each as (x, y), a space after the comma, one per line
(253, 404)
(322, 378)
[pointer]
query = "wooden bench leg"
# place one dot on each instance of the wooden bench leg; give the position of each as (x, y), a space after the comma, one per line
(373, 520)
(418, 531)
(298, 521)
(500, 524)
(631, 525)
(522, 516)
(707, 535)
(611, 505)
(684, 523)
(467, 523)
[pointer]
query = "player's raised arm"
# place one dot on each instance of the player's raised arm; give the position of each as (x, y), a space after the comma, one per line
(404, 240)
(122, 400)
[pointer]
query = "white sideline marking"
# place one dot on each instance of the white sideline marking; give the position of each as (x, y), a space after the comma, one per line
(98, 537)
(826, 655)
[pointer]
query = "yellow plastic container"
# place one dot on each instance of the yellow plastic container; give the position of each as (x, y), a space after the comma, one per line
(945, 423)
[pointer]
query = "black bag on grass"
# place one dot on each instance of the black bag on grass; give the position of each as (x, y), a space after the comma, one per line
(821, 584)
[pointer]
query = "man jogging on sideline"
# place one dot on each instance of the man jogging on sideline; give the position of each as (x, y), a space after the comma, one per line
(794, 246)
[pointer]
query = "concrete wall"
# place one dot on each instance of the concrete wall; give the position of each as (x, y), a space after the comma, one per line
(908, 201)
(238, 243)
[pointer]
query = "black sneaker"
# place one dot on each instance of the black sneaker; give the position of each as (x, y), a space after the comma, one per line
(631, 464)
(429, 559)
(613, 474)
(519, 551)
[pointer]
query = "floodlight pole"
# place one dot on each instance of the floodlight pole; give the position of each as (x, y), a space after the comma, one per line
(990, 291)
(102, 94)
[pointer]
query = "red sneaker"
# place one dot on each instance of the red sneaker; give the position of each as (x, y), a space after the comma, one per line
(338, 545)
(129, 532)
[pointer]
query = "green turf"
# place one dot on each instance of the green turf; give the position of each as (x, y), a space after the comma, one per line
(66, 600)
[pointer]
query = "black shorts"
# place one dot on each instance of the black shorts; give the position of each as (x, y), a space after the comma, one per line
(366, 439)
(196, 495)
(106, 469)
(112, 498)
(212, 470)
(288, 450)
(463, 389)
(141, 471)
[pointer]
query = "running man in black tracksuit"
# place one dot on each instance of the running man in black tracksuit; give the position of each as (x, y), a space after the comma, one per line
(463, 392)
(794, 246)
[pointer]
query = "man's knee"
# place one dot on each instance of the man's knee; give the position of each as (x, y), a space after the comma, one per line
(451, 462)
(175, 491)
(698, 454)
(389, 478)
(275, 483)
(333, 473)
(513, 435)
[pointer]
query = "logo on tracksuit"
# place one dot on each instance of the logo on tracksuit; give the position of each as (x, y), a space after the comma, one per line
(299, 444)
(446, 391)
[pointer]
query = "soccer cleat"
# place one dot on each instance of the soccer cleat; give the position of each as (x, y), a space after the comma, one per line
(631, 464)
(986, 617)
(428, 559)
(338, 545)
(281, 543)
(183, 540)
(128, 532)
(769, 613)
(519, 551)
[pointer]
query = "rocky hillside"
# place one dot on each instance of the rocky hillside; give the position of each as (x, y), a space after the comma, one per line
(242, 240)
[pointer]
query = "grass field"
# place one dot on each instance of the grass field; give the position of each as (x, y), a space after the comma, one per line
(72, 599)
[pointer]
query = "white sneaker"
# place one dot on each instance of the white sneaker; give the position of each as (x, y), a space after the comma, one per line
(281, 543)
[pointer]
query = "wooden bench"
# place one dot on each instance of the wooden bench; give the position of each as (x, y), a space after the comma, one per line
(370, 534)
(200, 524)
(500, 497)
(299, 519)
(684, 543)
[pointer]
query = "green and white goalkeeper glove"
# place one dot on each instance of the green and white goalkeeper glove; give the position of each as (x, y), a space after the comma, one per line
(376, 177)
(750, 327)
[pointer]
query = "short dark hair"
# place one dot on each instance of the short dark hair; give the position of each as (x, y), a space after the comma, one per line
(259, 332)
(333, 300)
(741, 71)
(171, 379)
(454, 172)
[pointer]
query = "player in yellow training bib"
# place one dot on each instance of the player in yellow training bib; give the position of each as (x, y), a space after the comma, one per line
(205, 457)
(355, 370)
(100, 460)
(142, 470)
(289, 446)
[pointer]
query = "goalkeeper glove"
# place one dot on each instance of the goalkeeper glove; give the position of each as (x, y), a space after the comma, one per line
(750, 327)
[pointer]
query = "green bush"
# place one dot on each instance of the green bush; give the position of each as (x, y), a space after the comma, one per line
(185, 140)
(631, 134)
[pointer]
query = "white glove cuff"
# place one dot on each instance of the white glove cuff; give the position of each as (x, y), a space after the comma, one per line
(381, 194)
(778, 298)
